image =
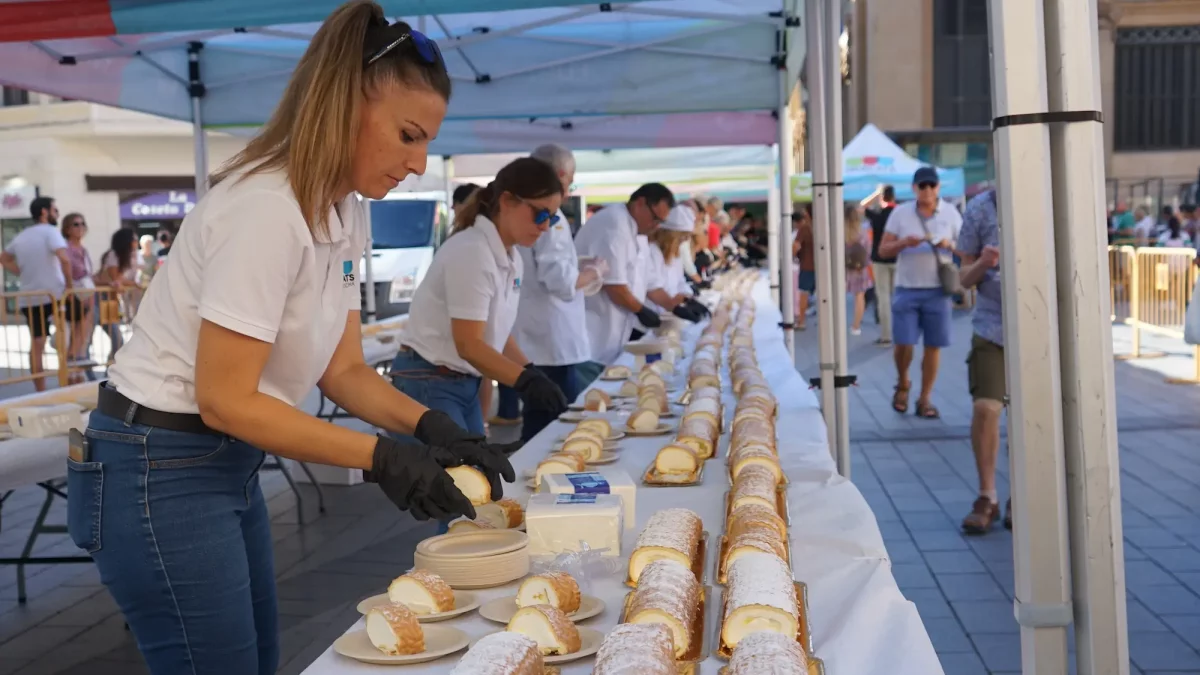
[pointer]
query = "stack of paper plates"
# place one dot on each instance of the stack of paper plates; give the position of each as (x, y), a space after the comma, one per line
(475, 559)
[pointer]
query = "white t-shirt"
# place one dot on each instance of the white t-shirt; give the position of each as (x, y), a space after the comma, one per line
(551, 325)
(472, 278)
(1144, 229)
(36, 250)
(917, 267)
(245, 260)
(612, 234)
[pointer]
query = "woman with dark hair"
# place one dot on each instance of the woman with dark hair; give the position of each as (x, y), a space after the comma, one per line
(460, 324)
(256, 305)
(77, 308)
(118, 271)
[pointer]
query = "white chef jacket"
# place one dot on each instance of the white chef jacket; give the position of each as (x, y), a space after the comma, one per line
(472, 278)
(612, 234)
(245, 260)
(551, 323)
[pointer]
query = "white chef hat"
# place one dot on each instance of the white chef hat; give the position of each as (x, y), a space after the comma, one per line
(680, 219)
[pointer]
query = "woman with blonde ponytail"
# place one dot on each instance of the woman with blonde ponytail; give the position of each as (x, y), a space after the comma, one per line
(257, 304)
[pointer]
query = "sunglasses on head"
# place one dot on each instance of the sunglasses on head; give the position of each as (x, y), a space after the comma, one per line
(540, 215)
(926, 185)
(427, 49)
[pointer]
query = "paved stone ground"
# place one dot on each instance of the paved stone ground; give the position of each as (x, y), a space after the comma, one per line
(919, 477)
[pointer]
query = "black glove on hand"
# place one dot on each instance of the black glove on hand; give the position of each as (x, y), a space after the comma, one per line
(648, 317)
(414, 477)
(438, 429)
(539, 393)
(683, 311)
(699, 308)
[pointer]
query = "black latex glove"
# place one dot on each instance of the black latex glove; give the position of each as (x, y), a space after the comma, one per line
(414, 477)
(699, 308)
(539, 393)
(648, 317)
(686, 313)
(438, 429)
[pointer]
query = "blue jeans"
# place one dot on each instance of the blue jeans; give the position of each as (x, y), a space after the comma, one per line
(456, 394)
(586, 373)
(536, 420)
(179, 531)
(509, 405)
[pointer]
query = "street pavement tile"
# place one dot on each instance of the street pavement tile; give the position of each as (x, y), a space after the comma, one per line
(999, 651)
(985, 616)
(1186, 627)
(969, 587)
(1175, 559)
(948, 636)
(1162, 651)
(1174, 599)
(953, 562)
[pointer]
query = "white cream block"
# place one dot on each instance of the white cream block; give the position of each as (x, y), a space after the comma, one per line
(605, 481)
(560, 523)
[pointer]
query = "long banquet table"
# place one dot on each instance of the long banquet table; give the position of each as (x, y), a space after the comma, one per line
(861, 623)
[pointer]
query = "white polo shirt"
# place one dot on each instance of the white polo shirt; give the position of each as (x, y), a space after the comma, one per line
(472, 278)
(36, 250)
(551, 323)
(612, 234)
(245, 260)
(917, 267)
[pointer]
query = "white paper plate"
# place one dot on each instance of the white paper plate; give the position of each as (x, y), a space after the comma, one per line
(662, 430)
(464, 601)
(589, 643)
(501, 610)
(439, 641)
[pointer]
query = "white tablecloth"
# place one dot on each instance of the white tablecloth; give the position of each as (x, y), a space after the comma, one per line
(860, 621)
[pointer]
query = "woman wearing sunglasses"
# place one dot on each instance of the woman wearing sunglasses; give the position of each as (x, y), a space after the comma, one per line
(228, 342)
(461, 320)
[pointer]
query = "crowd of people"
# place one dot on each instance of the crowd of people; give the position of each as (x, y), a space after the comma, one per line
(1139, 227)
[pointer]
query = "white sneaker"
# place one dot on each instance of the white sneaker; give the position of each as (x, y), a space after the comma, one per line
(856, 331)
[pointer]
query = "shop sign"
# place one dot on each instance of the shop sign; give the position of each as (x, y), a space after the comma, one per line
(172, 205)
(15, 201)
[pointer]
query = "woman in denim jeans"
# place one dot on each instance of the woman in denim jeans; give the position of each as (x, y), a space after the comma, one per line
(462, 315)
(164, 490)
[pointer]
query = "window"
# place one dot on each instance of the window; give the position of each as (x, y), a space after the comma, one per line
(962, 72)
(14, 96)
(1156, 94)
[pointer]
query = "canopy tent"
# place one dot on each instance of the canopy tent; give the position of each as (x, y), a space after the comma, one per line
(872, 159)
(587, 75)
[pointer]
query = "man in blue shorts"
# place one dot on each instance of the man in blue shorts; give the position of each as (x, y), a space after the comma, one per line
(920, 234)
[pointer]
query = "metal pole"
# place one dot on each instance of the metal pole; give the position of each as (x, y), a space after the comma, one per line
(837, 223)
(820, 216)
(1085, 341)
(788, 289)
(196, 90)
(1031, 335)
(775, 240)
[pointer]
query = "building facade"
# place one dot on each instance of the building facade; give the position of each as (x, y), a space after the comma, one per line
(920, 70)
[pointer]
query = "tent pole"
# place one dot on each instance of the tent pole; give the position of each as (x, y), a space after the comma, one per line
(774, 240)
(1031, 336)
(1085, 341)
(199, 138)
(837, 214)
(783, 240)
(820, 217)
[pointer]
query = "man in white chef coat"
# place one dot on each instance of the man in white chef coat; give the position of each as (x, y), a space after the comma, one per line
(617, 234)
(551, 327)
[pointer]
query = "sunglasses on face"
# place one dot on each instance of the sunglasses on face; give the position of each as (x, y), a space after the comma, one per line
(926, 185)
(427, 49)
(541, 216)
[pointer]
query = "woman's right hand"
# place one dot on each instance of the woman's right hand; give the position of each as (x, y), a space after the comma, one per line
(413, 477)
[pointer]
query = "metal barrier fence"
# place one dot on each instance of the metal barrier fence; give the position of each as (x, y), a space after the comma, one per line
(1149, 290)
(62, 340)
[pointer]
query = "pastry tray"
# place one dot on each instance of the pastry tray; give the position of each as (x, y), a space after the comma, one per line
(690, 661)
(699, 565)
(722, 542)
(648, 478)
(804, 635)
(781, 505)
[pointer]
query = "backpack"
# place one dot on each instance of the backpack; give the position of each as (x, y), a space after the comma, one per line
(856, 256)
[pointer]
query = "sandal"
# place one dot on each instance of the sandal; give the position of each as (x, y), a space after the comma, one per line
(883, 342)
(900, 400)
(927, 410)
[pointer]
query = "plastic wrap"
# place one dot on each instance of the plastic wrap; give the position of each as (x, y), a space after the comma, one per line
(585, 565)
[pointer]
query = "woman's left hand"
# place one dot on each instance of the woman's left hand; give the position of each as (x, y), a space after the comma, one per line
(437, 428)
(540, 393)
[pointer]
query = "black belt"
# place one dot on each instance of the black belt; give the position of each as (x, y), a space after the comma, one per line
(112, 403)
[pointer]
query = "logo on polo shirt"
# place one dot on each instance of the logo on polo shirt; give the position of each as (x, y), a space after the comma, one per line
(347, 273)
(517, 284)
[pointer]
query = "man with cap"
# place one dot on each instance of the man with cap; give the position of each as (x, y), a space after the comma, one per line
(920, 234)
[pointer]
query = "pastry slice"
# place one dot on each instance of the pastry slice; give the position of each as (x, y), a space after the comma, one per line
(394, 630)
(667, 593)
(597, 425)
(676, 460)
(760, 595)
(755, 484)
(595, 399)
(636, 649)
(768, 652)
(502, 515)
(754, 454)
(468, 525)
(753, 516)
(650, 375)
(557, 589)
(628, 389)
(558, 463)
(670, 534)
(501, 654)
(473, 484)
(549, 627)
(618, 372)
(643, 420)
(587, 447)
(421, 591)
(704, 408)
(761, 540)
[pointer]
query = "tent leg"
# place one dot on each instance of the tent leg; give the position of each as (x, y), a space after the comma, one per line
(783, 239)
(1031, 336)
(774, 241)
(1085, 340)
(818, 142)
(833, 144)
(199, 138)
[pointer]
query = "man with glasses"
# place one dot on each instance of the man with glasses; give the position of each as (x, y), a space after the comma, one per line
(920, 235)
(617, 234)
